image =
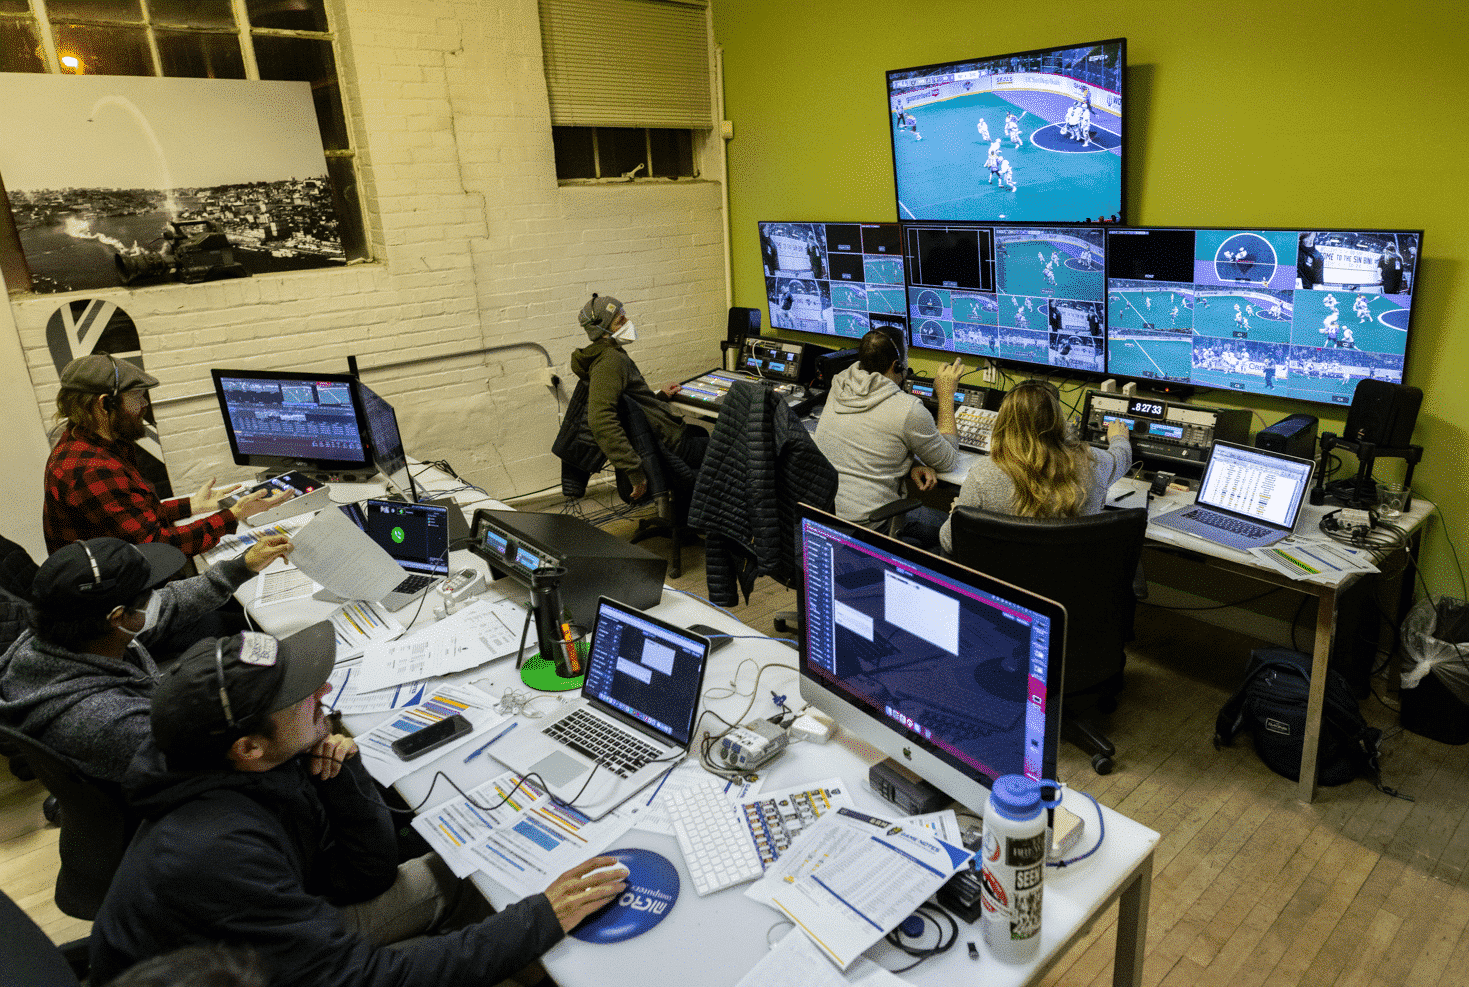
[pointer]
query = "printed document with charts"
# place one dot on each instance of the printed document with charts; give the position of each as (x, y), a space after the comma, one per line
(481, 632)
(852, 878)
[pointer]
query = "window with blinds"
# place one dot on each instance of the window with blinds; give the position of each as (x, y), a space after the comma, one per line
(628, 84)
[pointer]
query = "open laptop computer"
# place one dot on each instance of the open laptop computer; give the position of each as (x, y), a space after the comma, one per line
(633, 721)
(415, 535)
(1249, 498)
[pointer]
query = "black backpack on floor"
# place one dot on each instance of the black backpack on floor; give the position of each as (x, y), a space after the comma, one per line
(1272, 704)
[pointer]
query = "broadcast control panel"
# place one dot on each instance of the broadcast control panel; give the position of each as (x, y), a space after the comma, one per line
(1162, 431)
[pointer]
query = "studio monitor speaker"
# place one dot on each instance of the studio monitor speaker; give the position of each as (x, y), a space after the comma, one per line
(1383, 413)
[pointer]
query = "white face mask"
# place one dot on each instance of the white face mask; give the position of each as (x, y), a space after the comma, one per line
(627, 333)
(151, 612)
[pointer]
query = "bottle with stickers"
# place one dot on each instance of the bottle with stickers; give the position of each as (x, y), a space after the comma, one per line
(1014, 866)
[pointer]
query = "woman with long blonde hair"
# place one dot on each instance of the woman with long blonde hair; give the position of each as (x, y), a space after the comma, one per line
(1036, 468)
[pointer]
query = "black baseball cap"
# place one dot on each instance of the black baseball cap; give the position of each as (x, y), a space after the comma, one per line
(106, 572)
(221, 684)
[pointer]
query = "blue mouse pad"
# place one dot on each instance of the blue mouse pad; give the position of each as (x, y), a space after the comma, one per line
(652, 889)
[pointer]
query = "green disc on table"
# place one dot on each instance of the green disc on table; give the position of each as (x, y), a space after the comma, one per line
(540, 674)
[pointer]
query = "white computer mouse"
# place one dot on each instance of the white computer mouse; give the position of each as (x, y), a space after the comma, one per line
(608, 869)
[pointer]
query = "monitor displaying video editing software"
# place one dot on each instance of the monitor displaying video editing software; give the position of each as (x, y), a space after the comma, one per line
(1024, 294)
(954, 674)
(1034, 136)
(292, 419)
(1298, 313)
(836, 279)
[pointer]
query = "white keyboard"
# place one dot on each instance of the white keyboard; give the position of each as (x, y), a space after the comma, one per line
(975, 425)
(716, 843)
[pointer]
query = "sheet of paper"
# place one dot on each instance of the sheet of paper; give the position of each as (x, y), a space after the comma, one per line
(361, 623)
(651, 814)
(481, 632)
(282, 584)
(347, 698)
(855, 878)
(520, 836)
(339, 555)
(443, 701)
(231, 546)
(1314, 562)
(796, 962)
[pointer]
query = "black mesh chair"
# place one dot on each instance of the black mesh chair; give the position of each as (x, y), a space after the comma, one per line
(96, 825)
(1087, 565)
(29, 959)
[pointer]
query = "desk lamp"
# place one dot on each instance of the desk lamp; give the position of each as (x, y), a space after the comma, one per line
(561, 664)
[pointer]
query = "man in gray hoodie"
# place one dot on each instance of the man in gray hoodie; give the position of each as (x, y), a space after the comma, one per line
(871, 431)
(80, 679)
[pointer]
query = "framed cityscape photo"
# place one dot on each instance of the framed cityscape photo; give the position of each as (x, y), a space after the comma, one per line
(123, 180)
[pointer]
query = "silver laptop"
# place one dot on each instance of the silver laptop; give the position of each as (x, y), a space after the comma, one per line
(415, 535)
(1249, 498)
(633, 721)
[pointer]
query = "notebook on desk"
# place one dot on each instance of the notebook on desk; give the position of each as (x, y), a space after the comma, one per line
(1248, 498)
(415, 535)
(633, 720)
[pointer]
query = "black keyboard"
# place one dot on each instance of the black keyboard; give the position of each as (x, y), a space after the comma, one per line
(615, 749)
(1232, 525)
(413, 584)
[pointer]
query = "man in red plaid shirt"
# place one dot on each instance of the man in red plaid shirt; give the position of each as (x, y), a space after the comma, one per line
(93, 487)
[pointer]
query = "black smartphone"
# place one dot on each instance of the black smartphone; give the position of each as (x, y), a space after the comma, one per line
(431, 737)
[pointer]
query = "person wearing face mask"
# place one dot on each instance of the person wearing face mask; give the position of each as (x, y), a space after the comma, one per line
(103, 618)
(93, 487)
(610, 373)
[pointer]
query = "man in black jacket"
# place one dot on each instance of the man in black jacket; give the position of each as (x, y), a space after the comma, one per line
(264, 830)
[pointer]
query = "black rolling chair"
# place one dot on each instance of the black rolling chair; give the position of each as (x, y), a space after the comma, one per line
(29, 959)
(1087, 565)
(96, 825)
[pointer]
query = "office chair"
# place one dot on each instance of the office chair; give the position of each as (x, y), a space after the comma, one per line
(17, 569)
(29, 959)
(96, 825)
(1087, 565)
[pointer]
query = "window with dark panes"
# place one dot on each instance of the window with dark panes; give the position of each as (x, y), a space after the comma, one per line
(189, 39)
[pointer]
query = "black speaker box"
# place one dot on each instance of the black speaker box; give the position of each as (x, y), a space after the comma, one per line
(1293, 436)
(1383, 413)
(742, 322)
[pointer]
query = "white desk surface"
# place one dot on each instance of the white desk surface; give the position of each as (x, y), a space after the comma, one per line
(717, 939)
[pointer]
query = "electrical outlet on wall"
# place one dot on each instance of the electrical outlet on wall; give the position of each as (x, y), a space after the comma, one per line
(547, 376)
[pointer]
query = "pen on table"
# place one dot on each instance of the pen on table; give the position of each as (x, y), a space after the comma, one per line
(1124, 497)
(485, 746)
(659, 787)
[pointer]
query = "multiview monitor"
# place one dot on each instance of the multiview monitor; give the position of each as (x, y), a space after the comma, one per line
(1034, 136)
(950, 672)
(836, 279)
(293, 420)
(1027, 294)
(1297, 313)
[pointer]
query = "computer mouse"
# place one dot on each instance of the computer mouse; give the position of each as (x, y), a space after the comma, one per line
(610, 867)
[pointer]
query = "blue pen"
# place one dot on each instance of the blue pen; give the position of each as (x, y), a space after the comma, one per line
(659, 787)
(485, 746)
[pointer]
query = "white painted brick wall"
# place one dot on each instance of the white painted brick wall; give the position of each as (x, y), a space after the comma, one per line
(475, 246)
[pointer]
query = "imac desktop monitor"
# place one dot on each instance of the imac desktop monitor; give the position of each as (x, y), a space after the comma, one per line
(836, 279)
(1298, 313)
(293, 420)
(953, 674)
(1024, 294)
(1031, 137)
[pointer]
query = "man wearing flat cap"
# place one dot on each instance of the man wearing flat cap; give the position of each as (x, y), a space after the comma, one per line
(263, 830)
(93, 486)
(103, 616)
(610, 373)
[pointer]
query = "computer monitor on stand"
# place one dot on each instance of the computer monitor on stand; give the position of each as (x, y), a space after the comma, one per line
(951, 673)
(387, 444)
(295, 420)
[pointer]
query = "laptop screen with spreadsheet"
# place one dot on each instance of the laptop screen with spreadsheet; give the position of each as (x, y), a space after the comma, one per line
(1256, 484)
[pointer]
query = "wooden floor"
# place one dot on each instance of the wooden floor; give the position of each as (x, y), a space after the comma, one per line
(1250, 887)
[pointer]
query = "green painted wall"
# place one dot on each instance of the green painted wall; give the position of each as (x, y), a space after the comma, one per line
(1337, 114)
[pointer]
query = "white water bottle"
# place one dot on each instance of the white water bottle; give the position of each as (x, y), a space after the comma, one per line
(1014, 865)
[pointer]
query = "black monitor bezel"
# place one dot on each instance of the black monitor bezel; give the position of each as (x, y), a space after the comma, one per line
(1053, 611)
(1192, 387)
(315, 464)
(833, 334)
(898, 206)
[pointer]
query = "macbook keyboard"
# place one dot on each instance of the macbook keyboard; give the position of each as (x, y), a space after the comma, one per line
(1232, 525)
(616, 750)
(413, 584)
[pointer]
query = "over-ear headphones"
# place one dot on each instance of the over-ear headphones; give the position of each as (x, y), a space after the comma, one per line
(109, 401)
(98, 584)
(224, 694)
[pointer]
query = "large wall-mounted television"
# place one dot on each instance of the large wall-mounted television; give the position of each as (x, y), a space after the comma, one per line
(952, 673)
(1295, 313)
(1032, 294)
(835, 279)
(294, 420)
(1054, 115)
